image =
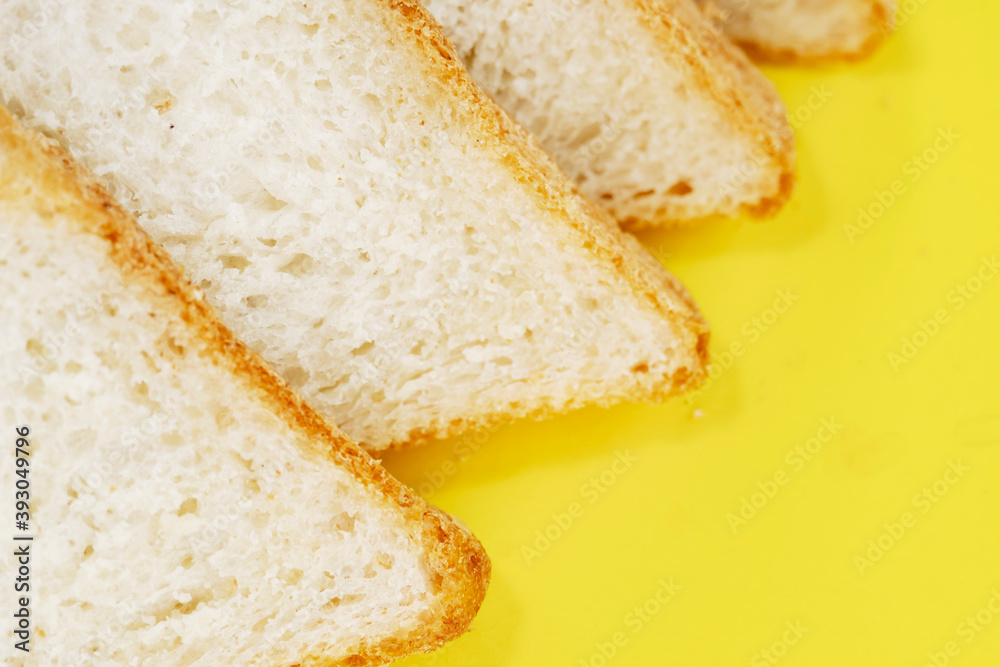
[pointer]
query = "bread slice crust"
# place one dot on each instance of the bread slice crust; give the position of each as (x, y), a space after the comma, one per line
(682, 45)
(38, 174)
(877, 25)
(586, 224)
(747, 100)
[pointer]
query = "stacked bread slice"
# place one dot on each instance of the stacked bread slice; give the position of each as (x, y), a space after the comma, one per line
(347, 204)
(188, 508)
(805, 30)
(356, 209)
(655, 113)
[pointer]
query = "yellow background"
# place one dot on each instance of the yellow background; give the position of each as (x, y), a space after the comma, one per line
(827, 357)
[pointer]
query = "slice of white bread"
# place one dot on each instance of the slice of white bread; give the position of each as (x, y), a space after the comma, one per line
(188, 507)
(805, 30)
(657, 116)
(356, 209)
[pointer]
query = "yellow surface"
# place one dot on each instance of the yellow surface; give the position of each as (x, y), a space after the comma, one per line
(900, 426)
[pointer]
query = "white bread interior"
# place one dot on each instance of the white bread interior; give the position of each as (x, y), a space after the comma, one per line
(357, 211)
(656, 115)
(188, 508)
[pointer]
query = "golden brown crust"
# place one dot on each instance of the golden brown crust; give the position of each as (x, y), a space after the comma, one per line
(879, 25)
(753, 106)
(38, 173)
(585, 223)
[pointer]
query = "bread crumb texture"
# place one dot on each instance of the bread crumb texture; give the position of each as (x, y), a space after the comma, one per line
(189, 509)
(357, 211)
(657, 116)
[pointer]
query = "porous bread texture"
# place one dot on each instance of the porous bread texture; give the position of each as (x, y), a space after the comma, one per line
(188, 508)
(805, 30)
(657, 117)
(356, 209)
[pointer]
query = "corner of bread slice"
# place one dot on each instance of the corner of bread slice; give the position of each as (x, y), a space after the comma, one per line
(667, 123)
(325, 559)
(454, 562)
(458, 572)
(677, 334)
(842, 31)
(749, 103)
(659, 296)
(879, 22)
